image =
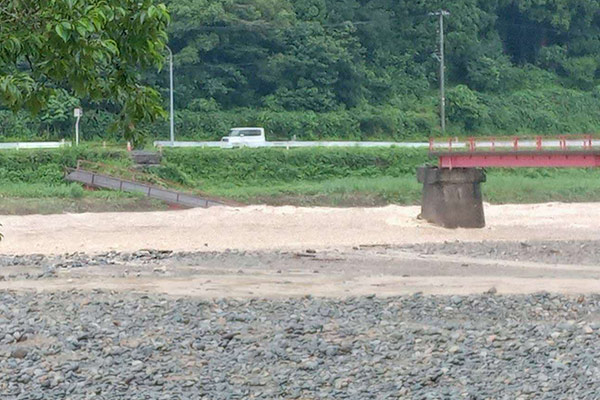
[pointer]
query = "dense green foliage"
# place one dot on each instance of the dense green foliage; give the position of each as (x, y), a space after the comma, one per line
(194, 167)
(48, 167)
(301, 176)
(280, 165)
(52, 50)
(363, 69)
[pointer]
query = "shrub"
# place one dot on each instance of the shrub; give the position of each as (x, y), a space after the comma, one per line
(465, 108)
(48, 166)
(280, 165)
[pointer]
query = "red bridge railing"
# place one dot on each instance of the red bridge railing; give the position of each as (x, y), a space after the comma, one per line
(515, 143)
(538, 151)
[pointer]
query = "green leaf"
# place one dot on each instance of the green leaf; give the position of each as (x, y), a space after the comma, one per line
(152, 11)
(60, 30)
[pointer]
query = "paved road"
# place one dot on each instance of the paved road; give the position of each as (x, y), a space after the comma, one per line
(289, 144)
(33, 145)
(438, 145)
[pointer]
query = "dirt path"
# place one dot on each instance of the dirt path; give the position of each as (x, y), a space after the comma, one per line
(324, 286)
(382, 271)
(271, 228)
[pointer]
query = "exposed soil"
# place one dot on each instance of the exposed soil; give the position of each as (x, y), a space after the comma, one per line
(46, 206)
(366, 270)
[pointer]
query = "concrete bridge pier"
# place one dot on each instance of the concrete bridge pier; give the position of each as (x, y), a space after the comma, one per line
(452, 197)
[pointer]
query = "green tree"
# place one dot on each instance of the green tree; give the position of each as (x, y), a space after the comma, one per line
(317, 70)
(57, 115)
(222, 48)
(92, 48)
(464, 107)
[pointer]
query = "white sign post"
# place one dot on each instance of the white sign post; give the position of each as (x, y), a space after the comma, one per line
(78, 112)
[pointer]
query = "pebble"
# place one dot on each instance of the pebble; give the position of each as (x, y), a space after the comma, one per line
(558, 252)
(158, 347)
(19, 353)
(422, 347)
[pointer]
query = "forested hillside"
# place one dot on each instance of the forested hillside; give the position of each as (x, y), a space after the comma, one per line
(366, 69)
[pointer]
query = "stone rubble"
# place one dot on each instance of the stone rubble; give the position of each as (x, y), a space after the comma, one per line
(109, 345)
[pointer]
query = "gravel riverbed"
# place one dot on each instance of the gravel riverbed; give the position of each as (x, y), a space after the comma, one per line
(109, 345)
(581, 252)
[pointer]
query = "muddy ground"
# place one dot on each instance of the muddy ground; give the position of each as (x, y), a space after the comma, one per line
(444, 268)
(265, 251)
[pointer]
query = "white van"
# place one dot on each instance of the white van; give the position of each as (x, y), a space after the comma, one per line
(244, 137)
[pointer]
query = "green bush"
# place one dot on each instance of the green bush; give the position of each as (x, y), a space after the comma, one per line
(465, 108)
(582, 71)
(76, 191)
(280, 165)
(550, 111)
(364, 123)
(48, 166)
(540, 106)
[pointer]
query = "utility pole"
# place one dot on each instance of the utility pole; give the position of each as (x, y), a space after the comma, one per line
(441, 14)
(172, 111)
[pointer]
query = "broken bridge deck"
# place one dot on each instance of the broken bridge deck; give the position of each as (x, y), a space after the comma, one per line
(102, 181)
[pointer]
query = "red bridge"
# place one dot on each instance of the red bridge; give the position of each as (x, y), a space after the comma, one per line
(564, 151)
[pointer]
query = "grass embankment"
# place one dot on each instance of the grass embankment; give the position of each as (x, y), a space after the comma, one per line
(32, 181)
(48, 198)
(354, 176)
(570, 186)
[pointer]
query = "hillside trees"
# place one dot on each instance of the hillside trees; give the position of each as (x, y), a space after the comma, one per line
(367, 64)
(265, 53)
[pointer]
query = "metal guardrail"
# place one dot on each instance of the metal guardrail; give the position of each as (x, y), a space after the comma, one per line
(291, 144)
(34, 145)
(108, 182)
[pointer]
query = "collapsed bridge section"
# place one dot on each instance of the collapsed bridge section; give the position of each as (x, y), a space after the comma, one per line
(451, 191)
(104, 181)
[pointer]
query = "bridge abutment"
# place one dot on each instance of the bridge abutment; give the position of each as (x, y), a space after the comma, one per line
(452, 197)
